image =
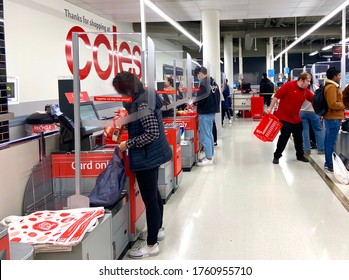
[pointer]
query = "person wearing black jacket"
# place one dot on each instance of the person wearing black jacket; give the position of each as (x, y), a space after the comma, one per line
(225, 102)
(207, 106)
(266, 86)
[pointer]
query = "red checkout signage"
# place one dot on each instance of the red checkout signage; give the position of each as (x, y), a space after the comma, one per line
(172, 134)
(189, 123)
(92, 164)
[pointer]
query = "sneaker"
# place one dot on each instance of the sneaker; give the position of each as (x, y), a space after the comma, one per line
(205, 162)
(328, 169)
(143, 251)
(276, 161)
(230, 122)
(321, 152)
(303, 158)
(307, 152)
(161, 234)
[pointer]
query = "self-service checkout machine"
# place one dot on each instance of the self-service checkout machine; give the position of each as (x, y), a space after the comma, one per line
(52, 182)
(166, 179)
(189, 121)
(180, 71)
(318, 70)
(170, 173)
(128, 216)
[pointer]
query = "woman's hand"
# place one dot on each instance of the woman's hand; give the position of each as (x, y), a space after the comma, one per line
(123, 146)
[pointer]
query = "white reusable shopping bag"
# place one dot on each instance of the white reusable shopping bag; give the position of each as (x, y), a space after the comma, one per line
(340, 172)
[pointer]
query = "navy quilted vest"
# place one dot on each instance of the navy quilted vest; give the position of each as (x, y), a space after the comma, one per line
(151, 155)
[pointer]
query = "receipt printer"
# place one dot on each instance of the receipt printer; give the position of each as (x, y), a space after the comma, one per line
(4, 244)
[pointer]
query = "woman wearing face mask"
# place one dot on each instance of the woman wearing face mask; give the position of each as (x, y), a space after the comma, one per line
(207, 107)
(147, 148)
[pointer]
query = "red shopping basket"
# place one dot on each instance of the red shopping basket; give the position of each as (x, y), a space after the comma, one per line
(268, 128)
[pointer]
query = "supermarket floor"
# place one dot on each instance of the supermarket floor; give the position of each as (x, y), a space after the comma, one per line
(246, 208)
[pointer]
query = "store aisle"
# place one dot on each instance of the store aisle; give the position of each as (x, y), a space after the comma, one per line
(246, 208)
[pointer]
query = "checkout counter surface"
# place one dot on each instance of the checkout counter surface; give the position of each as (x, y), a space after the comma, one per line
(317, 161)
(21, 251)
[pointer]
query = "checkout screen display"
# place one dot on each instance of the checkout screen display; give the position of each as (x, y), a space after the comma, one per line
(88, 112)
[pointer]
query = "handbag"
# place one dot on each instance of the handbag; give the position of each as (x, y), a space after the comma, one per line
(340, 172)
(110, 183)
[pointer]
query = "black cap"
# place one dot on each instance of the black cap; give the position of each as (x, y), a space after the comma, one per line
(331, 72)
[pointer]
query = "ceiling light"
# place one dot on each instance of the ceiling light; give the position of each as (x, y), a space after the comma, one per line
(327, 48)
(157, 10)
(313, 53)
(314, 27)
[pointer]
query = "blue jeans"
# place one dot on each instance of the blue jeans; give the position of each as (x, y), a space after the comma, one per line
(314, 120)
(206, 136)
(331, 134)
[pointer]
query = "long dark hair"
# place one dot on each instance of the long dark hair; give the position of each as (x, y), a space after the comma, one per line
(127, 83)
(170, 80)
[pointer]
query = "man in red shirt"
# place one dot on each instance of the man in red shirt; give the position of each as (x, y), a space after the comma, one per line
(291, 97)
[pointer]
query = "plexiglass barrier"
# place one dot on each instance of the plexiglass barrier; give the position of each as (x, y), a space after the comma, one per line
(97, 62)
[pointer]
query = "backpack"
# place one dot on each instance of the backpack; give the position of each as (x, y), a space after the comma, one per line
(110, 183)
(319, 101)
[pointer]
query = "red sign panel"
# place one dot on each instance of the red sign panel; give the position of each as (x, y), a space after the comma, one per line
(193, 89)
(189, 123)
(166, 91)
(337, 51)
(63, 165)
(37, 128)
(113, 98)
(83, 97)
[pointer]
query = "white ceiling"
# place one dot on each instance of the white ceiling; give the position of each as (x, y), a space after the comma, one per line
(190, 10)
(232, 13)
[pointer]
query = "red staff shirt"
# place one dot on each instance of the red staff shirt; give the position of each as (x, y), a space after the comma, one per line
(291, 98)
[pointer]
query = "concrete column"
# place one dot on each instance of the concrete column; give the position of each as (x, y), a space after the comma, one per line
(241, 69)
(228, 58)
(271, 56)
(211, 52)
(281, 62)
(211, 42)
(267, 58)
(286, 58)
(343, 59)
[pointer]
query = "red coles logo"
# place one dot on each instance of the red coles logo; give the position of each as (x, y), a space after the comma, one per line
(45, 226)
(118, 62)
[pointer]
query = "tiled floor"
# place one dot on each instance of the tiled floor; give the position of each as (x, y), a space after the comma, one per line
(247, 208)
